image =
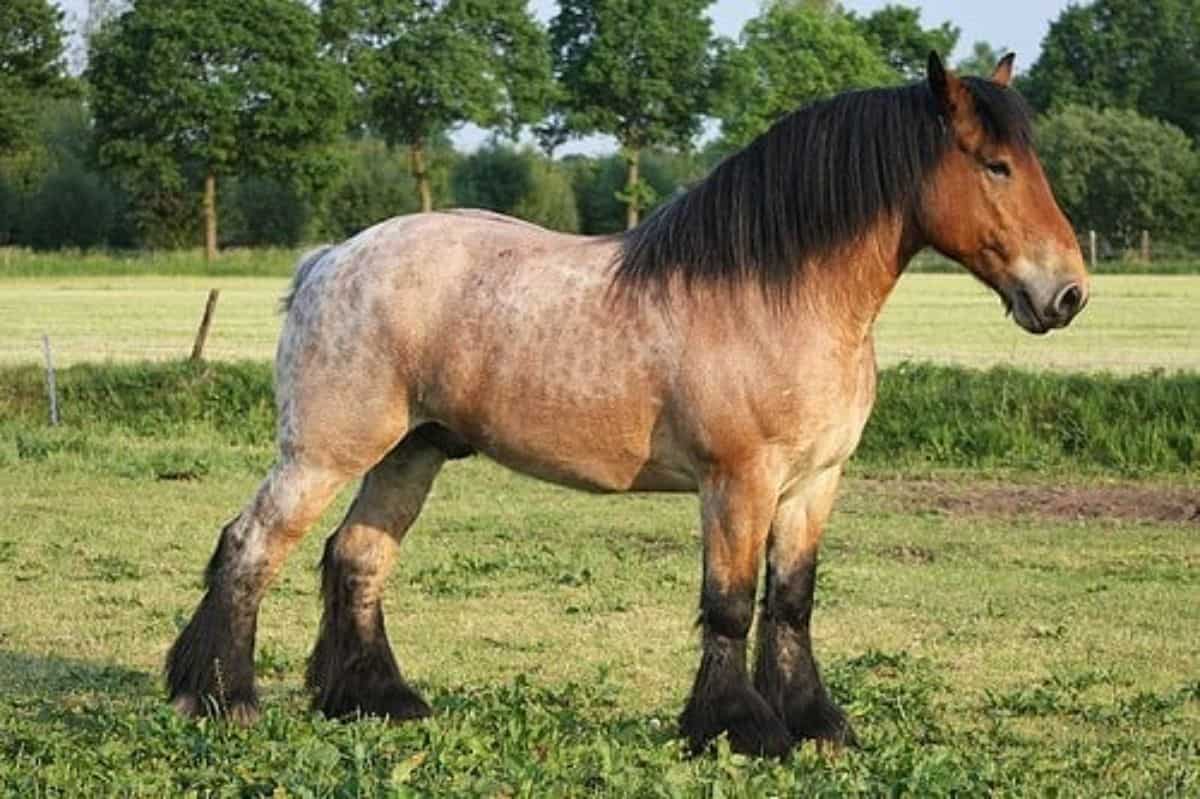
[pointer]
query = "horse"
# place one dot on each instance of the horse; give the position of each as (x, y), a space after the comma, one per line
(723, 347)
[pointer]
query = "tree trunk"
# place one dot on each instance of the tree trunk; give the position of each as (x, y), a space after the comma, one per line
(632, 179)
(210, 217)
(416, 152)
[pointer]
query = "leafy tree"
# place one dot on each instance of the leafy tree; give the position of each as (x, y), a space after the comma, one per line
(423, 67)
(982, 61)
(896, 30)
(597, 184)
(375, 183)
(521, 184)
(1139, 54)
(1120, 173)
(787, 57)
(31, 67)
(185, 93)
(637, 70)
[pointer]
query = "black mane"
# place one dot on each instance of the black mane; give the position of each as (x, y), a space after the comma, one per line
(817, 179)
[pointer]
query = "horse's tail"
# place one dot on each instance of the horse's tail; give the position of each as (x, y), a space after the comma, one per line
(304, 268)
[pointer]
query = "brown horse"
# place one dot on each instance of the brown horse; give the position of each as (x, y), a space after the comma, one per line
(723, 347)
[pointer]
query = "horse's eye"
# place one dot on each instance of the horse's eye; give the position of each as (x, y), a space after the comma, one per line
(999, 169)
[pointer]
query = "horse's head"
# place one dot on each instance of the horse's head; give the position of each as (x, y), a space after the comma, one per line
(989, 207)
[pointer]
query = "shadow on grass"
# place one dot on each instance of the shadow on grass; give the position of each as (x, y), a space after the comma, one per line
(50, 676)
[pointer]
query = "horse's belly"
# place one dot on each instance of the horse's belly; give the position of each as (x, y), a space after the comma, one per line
(607, 446)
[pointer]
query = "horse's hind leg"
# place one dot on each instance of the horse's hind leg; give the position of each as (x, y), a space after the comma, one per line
(787, 674)
(210, 668)
(352, 669)
(736, 511)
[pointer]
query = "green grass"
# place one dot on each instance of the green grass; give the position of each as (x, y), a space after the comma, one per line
(553, 633)
(278, 262)
(1133, 324)
(261, 262)
(926, 418)
(1174, 263)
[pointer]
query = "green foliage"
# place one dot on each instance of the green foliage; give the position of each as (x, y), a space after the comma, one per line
(520, 184)
(424, 67)
(264, 211)
(637, 71)
(58, 197)
(1137, 54)
(982, 61)
(896, 30)
(224, 87)
(1120, 173)
(73, 208)
(943, 416)
(31, 67)
(787, 57)
(926, 416)
(634, 70)
(599, 183)
(374, 184)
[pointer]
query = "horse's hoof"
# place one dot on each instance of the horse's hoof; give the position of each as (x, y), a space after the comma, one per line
(752, 727)
(395, 704)
(243, 714)
(188, 706)
(191, 706)
(826, 725)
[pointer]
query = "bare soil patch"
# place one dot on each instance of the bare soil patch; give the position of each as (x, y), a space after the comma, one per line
(1125, 502)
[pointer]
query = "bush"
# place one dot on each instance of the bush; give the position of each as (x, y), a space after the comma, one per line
(599, 181)
(521, 184)
(375, 184)
(262, 211)
(73, 208)
(1120, 173)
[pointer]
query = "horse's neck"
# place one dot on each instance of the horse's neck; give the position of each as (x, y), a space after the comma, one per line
(849, 287)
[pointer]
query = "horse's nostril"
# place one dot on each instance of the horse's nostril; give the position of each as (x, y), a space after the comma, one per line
(1069, 301)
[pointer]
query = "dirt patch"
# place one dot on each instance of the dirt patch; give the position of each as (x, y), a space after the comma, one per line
(1127, 502)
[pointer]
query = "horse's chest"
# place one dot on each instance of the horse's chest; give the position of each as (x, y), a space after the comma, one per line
(827, 422)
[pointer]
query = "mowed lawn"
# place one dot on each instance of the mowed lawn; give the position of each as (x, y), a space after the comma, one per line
(1134, 323)
(553, 632)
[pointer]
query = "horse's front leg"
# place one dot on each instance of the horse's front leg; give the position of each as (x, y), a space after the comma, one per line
(736, 508)
(786, 674)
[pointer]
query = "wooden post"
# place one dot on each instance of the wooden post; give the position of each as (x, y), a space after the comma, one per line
(1146, 246)
(1092, 248)
(51, 383)
(210, 308)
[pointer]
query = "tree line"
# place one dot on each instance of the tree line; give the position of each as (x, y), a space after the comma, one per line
(248, 122)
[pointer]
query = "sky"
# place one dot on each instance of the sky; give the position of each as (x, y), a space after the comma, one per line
(1018, 25)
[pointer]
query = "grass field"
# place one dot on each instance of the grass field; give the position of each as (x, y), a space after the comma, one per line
(1020, 646)
(1132, 324)
(553, 633)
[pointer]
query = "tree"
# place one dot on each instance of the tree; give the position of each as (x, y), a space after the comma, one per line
(521, 184)
(1138, 54)
(1120, 173)
(982, 61)
(789, 56)
(636, 70)
(186, 93)
(896, 31)
(31, 67)
(423, 67)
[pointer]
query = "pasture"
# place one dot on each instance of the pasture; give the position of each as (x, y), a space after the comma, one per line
(1134, 323)
(1001, 608)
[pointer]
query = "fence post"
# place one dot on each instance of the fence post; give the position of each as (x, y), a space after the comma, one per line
(1092, 248)
(51, 383)
(210, 308)
(1146, 246)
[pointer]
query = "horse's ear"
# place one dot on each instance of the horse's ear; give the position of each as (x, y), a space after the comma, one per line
(947, 87)
(1004, 70)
